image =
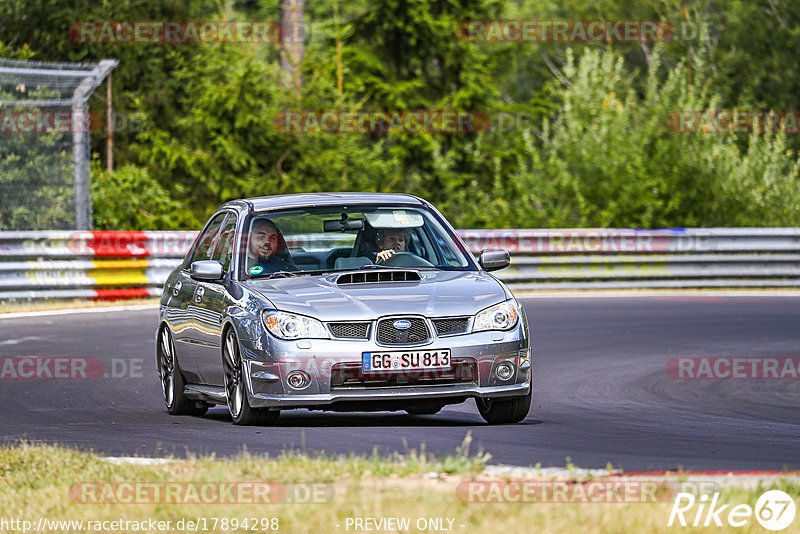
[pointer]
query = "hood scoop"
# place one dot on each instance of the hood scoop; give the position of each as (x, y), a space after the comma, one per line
(374, 277)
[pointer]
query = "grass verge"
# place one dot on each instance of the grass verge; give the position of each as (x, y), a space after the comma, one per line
(60, 484)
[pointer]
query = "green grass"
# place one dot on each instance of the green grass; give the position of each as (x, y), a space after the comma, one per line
(35, 481)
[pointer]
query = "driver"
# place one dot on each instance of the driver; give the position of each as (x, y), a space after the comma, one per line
(390, 241)
(267, 250)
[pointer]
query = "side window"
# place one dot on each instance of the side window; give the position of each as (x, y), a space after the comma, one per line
(205, 243)
(421, 245)
(415, 244)
(447, 252)
(223, 252)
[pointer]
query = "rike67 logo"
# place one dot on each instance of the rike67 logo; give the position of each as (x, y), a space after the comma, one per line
(774, 510)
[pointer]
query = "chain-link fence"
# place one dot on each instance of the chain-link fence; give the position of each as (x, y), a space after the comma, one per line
(45, 180)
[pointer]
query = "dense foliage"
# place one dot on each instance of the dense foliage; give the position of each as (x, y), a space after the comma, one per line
(584, 140)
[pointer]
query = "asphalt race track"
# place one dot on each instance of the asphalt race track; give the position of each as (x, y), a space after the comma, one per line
(602, 392)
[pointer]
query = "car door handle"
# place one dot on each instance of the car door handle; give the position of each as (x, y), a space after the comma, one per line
(198, 295)
(177, 288)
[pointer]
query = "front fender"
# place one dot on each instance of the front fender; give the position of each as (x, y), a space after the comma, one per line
(246, 324)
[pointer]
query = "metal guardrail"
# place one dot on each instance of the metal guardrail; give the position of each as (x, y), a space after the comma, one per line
(112, 265)
(92, 265)
(622, 258)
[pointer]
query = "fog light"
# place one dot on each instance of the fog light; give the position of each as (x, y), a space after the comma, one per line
(504, 371)
(298, 380)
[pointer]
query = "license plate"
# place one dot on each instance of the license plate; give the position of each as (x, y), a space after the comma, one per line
(405, 360)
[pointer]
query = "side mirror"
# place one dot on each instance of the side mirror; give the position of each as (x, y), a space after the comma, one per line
(494, 259)
(206, 270)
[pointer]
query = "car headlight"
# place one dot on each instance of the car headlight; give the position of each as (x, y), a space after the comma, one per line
(292, 326)
(503, 316)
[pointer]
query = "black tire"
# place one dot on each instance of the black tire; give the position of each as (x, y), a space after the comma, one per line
(505, 411)
(424, 410)
(172, 381)
(236, 390)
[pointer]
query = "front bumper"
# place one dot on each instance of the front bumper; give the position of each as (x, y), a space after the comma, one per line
(397, 394)
(269, 361)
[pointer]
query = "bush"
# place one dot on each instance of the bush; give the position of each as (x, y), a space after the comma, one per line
(130, 199)
(608, 159)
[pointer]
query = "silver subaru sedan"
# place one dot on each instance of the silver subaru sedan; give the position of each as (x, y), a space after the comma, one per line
(340, 301)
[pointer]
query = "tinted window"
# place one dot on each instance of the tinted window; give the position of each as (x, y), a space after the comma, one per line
(207, 239)
(338, 238)
(223, 251)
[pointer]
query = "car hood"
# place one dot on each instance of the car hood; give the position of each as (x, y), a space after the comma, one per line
(438, 294)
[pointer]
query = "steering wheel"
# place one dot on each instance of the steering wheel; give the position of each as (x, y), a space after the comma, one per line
(404, 259)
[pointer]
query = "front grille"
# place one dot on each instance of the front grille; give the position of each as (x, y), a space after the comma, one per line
(350, 375)
(350, 330)
(388, 334)
(455, 325)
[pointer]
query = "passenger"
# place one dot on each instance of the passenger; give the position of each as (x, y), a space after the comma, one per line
(391, 241)
(266, 250)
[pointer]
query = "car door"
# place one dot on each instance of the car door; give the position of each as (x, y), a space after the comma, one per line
(190, 339)
(210, 300)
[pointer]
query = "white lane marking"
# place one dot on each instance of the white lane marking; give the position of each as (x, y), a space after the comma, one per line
(20, 340)
(135, 460)
(548, 472)
(746, 479)
(76, 311)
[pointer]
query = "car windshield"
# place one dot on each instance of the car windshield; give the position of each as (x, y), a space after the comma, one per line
(339, 238)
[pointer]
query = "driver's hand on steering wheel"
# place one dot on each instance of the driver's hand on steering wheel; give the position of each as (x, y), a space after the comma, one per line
(384, 255)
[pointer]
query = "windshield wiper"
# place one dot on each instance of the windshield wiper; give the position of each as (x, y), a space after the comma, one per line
(374, 266)
(412, 268)
(282, 274)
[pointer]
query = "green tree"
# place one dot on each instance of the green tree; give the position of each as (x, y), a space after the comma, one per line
(130, 199)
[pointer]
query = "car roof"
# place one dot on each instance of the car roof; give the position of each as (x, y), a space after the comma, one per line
(301, 200)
